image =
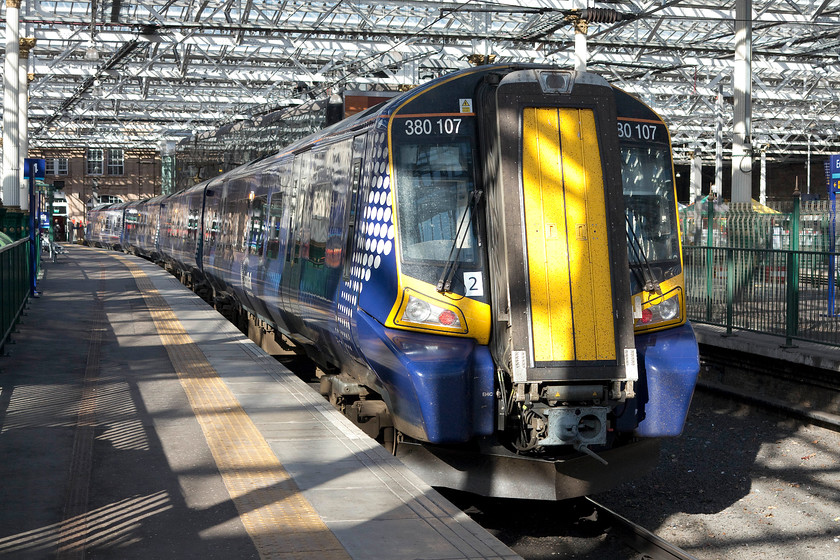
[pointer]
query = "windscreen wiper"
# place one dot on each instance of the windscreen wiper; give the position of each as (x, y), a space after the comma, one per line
(445, 282)
(643, 273)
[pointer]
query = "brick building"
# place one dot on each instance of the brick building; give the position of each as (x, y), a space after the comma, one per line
(83, 177)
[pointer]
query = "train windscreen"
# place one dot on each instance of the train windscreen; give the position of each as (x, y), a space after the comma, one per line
(650, 206)
(435, 189)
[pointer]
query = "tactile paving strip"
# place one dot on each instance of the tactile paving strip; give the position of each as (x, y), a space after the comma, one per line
(280, 521)
(72, 542)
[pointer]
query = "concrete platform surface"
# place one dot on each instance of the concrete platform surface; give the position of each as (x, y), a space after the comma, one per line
(136, 422)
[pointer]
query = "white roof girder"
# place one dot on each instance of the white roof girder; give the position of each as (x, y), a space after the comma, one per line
(194, 61)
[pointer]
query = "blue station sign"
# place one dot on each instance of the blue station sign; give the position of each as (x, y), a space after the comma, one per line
(834, 174)
(34, 168)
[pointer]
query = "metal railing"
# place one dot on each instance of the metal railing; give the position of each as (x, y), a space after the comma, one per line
(14, 285)
(808, 223)
(779, 292)
(753, 275)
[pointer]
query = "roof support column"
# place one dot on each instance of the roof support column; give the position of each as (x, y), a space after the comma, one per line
(762, 183)
(742, 81)
(717, 187)
(808, 167)
(11, 141)
(25, 45)
(581, 51)
(696, 176)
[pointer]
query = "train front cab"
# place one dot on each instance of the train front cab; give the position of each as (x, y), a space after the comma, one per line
(562, 309)
(565, 334)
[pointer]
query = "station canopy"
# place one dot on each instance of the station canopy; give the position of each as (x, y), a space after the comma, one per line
(129, 73)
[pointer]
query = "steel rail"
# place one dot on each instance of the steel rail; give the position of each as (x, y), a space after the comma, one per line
(639, 538)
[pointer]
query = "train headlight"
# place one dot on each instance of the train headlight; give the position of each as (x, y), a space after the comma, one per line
(421, 312)
(417, 310)
(669, 308)
(665, 309)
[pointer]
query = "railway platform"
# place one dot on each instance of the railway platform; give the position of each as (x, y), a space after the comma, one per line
(801, 378)
(136, 422)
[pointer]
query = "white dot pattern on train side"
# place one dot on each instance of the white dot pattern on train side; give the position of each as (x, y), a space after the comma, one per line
(375, 238)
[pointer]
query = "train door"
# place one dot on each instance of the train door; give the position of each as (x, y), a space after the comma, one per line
(298, 234)
(154, 228)
(355, 184)
(211, 223)
(277, 237)
(228, 237)
(237, 206)
(285, 206)
(253, 272)
(348, 291)
(557, 245)
(192, 213)
(116, 232)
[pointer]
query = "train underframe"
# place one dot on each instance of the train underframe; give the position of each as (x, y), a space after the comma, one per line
(492, 465)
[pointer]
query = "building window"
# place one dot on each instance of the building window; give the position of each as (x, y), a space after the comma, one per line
(109, 199)
(115, 161)
(57, 166)
(95, 161)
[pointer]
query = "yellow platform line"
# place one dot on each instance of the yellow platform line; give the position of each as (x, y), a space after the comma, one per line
(280, 521)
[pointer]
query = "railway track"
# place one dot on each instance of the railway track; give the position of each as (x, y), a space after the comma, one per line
(638, 538)
(803, 392)
(575, 528)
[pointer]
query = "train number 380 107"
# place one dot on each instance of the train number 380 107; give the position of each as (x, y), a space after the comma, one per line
(420, 127)
(636, 130)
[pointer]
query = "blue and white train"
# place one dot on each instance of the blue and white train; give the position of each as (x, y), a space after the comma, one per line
(487, 269)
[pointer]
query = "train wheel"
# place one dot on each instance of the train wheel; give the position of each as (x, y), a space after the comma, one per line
(390, 438)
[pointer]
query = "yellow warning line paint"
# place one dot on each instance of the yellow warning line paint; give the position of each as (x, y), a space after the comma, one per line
(280, 521)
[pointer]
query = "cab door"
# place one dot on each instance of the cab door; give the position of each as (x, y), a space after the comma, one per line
(559, 270)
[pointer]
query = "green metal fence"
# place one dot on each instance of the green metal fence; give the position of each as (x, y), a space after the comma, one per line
(779, 292)
(753, 276)
(14, 285)
(739, 225)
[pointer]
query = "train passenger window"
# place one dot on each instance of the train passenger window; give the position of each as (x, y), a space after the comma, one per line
(256, 221)
(192, 224)
(294, 193)
(434, 189)
(275, 223)
(319, 220)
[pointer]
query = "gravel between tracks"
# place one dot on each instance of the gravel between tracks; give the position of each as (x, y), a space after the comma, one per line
(741, 483)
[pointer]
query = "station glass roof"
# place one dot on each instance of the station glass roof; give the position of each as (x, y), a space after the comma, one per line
(122, 73)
